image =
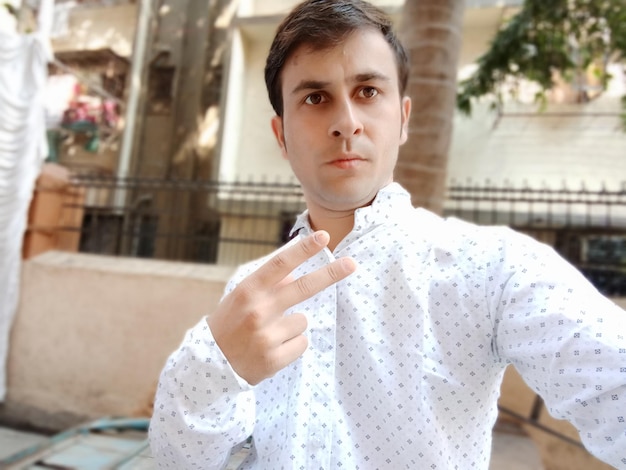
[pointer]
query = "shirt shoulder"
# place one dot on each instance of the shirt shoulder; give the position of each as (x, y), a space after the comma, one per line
(483, 245)
(452, 232)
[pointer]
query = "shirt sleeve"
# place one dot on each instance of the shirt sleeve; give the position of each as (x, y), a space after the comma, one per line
(202, 409)
(566, 340)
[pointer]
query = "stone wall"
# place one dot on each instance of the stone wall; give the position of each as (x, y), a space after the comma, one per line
(93, 332)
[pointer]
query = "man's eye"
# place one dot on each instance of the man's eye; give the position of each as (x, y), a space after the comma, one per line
(369, 92)
(314, 98)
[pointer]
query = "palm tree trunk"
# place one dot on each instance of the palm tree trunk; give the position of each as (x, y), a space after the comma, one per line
(431, 30)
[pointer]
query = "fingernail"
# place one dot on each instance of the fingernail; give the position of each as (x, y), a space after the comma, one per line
(348, 264)
(321, 237)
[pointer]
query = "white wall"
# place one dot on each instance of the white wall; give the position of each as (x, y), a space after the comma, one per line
(232, 132)
(565, 145)
(99, 28)
(249, 145)
(248, 148)
(535, 149)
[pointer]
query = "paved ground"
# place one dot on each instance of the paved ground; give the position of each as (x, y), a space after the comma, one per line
(511, 451)
(13, 441)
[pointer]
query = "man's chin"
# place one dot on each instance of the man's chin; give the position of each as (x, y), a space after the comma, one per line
(349, 198)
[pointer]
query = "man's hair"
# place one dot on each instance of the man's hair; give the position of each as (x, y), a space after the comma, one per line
(322, 24)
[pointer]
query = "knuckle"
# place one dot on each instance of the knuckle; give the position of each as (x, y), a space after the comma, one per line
(308, 247)
(334, 272)
(245, 297)
(263, 344)
(253, 319)
(244, 293)
(305, 286)
(279, 261)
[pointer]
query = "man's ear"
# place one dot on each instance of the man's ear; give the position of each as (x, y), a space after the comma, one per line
(406, 113)
(279, 133)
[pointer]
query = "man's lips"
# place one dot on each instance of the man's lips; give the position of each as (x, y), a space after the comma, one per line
(347, 161)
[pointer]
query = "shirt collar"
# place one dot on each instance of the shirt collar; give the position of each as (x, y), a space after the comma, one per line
(392, 201)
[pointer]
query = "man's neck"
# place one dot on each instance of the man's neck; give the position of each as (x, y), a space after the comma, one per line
(338, 225)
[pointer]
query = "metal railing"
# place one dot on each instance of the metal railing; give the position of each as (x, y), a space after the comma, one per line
(536, 208)
(234, 222)
(199, 221)
(587, 227)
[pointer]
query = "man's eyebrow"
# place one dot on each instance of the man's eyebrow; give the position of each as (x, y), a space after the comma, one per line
(358, 78)
(309, 85)
(370, 76)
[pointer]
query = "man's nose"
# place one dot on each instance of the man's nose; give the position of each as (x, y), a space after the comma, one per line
(346, 121)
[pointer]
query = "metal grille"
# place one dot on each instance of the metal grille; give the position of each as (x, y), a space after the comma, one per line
(535, 208)
(586, 227)
(234, 222)
(200, 221)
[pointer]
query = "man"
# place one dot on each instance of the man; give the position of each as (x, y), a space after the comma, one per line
(378, 337)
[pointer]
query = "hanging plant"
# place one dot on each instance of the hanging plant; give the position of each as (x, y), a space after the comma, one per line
(550, 41)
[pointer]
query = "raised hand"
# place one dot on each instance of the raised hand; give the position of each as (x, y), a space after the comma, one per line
(249, 324)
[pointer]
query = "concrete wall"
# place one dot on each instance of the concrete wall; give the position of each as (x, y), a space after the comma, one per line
(98, 27)
(92, 334)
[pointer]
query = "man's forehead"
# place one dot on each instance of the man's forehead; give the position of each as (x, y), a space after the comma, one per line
(367, 54)
(319, 47)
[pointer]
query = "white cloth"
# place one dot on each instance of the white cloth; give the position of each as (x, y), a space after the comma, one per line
(406, 356)
(60, 90)
(23, 148)
(61, 19)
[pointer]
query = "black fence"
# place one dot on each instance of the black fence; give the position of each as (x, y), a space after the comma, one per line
(198, 221)
(587, 227)
(536, 208)
(233, 222)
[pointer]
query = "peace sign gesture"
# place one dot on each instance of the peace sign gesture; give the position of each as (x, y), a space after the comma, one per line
(249, 324)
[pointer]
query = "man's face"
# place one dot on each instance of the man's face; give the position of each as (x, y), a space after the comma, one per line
(343, 120)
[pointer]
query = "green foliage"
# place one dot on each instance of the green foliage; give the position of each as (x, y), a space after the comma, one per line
(10, 8)
(567, 38)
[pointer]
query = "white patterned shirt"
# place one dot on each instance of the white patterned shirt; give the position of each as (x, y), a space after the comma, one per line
(406, 356)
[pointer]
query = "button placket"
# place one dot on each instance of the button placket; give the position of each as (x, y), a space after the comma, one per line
(322, 345)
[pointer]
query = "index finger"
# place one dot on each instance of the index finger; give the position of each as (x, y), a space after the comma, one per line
(279, 266)
(312, 283)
